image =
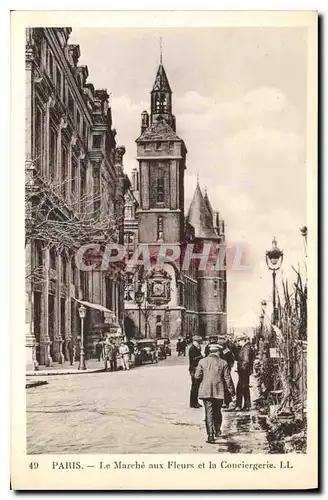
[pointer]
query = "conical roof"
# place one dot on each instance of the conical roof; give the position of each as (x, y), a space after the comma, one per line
(161, 81)
(200, 217)
(208, 203)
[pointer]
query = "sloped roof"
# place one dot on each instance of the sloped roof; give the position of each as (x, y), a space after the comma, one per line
(208, 203)
(161, 81)
(200, 217)
(159, 130)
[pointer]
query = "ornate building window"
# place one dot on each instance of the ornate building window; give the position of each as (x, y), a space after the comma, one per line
(59, 83)
(129, 288)
(96, 141)
(82, 186)
(160, 186)
(160, 228)
(52, 258)
(38, 138)
(70, 105)
(52, 153)
(128, 212)
(64, 171)
(74, 178)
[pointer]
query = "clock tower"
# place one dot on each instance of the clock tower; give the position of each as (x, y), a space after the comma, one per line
(162, 160)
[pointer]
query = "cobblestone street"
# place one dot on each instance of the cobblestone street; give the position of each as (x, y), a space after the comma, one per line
(144, 410)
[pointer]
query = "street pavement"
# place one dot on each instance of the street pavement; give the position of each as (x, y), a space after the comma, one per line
(144, 410)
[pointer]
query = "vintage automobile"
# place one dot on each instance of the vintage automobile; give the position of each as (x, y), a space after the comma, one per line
(167, 345)
(145, 351)
(161, 349)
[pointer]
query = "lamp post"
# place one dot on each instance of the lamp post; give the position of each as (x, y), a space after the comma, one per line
(274, 258)
(139, 296)
(82, 313)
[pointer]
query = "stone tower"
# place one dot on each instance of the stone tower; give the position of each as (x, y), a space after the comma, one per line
(161, 155)
(162, 160)
(212, 315)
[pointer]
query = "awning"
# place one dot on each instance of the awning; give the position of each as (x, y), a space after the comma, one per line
(99, 307)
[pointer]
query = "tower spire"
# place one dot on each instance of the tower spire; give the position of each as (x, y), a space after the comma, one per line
(160, 50)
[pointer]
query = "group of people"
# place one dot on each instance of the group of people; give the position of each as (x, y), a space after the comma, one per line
(109, 351)
(211, 379)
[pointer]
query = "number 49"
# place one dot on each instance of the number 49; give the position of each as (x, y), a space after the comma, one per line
(34, 465)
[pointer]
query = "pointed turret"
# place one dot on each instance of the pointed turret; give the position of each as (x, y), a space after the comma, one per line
(200, 217)
(208, 203)
(161, 99)
(161, 81)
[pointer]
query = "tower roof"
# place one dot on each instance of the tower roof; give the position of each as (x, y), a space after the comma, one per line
(161, 82)
(159, 130)
(208, 203)
(200, 217)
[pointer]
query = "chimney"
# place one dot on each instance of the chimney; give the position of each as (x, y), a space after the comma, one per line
(134, 180)
(144, 121)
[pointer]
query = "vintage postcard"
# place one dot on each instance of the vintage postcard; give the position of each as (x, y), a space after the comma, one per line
(164, 243)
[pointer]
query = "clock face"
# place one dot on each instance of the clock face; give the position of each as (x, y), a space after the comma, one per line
(158, 289)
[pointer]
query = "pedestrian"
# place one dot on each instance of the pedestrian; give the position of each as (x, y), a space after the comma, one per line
(212, 340)
(213, 374)
(110, 356)
(70, 350)
(245, 360)
(183, 346)
(195, 355)
(99, 350)
(227, 355)
(179, 346)
(125, 353)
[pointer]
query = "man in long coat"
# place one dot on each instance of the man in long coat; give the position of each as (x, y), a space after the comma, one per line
(245, 361)
(195, 355)
(213, 373)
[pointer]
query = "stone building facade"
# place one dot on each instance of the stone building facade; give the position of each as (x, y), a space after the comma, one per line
(194, 301)
(72, 154)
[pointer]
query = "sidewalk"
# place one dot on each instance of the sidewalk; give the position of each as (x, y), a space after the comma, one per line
(92, 365)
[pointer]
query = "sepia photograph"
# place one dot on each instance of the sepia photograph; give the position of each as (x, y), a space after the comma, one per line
(167, 242)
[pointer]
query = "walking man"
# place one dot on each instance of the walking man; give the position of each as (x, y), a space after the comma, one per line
(213, 374)
(245, 360)
(195, 355)
(125, 354)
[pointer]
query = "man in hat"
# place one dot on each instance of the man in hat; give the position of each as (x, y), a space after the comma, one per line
(227, 355)
(213, 374)
(195, 355)
(245, 361)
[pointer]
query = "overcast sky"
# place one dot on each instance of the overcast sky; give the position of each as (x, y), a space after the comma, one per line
(239, 96)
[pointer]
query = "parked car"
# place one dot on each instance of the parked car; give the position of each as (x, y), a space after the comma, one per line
(167, 345)
(161, 349)
(145, 351)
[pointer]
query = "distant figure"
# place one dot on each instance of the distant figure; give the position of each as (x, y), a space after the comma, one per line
(181, 347)
(245, 361)
(195, 355)
(70, 350)
(125, 353)
(99, 349)
(213, 374)
(110, 355)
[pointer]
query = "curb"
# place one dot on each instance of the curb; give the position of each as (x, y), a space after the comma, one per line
(43, 373)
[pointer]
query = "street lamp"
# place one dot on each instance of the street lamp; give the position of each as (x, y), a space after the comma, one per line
(138, 297)
(274, 258)
(82, 313)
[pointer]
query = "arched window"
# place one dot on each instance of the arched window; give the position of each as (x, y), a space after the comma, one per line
(160, 186)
